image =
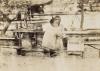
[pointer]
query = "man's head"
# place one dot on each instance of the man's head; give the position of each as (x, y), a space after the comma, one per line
(55, 20)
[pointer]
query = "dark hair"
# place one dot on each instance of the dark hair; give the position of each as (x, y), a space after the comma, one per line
(54, 18)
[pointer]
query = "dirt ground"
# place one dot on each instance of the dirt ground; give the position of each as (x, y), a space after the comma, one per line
(9, 61)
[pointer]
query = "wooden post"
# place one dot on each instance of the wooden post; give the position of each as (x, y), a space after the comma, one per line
(82, 15)
(99, 53)
(5, 28)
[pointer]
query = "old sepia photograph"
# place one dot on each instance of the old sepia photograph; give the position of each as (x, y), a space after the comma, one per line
(49, 35)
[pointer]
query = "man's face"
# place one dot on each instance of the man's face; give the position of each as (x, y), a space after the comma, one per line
(56, 22)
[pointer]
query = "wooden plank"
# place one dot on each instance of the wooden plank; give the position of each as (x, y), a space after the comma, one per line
(26, 30)
(6, 38)
(93, 43)
(82, 32)
(14, 47)
(33, 50)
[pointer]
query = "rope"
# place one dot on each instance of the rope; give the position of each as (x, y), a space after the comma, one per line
(92, 46)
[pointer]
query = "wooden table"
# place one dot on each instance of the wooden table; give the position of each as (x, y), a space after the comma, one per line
(36, 32)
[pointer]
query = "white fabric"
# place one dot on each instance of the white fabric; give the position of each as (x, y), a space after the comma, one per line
(75, 43)
(49, 39)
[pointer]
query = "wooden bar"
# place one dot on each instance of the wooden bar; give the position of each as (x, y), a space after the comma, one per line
(28, 31)
(82, 32)
(6, 38)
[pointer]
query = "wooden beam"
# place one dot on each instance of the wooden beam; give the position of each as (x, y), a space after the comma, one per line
(82, 15)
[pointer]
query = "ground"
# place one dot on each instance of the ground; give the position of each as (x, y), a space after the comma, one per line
(63, 62)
